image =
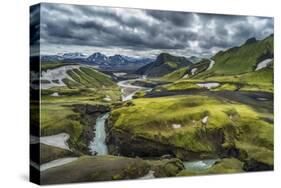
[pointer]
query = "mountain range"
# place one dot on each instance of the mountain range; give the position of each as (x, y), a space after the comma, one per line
(115, 62)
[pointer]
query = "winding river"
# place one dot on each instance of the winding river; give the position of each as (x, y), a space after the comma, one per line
(98, 145)
(128, 90)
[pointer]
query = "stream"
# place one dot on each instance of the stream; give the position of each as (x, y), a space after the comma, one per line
(199, 165)
(128, 90)
(97, 145)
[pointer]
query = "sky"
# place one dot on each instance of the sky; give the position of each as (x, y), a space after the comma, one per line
(143, 33)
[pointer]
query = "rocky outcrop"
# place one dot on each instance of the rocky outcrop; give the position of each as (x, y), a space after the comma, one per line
(166, 167)
(50, 153)
(87, 115)
(127, 144)
(253, 166)
(91, 109)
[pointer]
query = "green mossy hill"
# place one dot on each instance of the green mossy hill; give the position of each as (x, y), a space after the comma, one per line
(74, 119)
(85, 77)
(46, 65)
(174, 125)
(189, 71)
(177, 74)
(164, 64)
(180, 85)
(261, 80)
(96, 168)
(242, 59)
(227, 165)
(50, 153)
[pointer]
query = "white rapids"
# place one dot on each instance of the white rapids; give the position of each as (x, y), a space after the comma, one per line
(199, 165)
(98, 145)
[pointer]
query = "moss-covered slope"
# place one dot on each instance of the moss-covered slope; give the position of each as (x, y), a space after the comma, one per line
(164, 64)
(175, 125)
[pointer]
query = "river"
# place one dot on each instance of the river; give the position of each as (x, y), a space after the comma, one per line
(128, 90)
(98, 145)
(200, 165)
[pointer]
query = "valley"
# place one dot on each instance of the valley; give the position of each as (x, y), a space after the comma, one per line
(168, 117)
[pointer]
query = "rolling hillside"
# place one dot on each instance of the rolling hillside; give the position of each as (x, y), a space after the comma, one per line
(242, 59)
(164, 64)
(188, 71)
(253, 55)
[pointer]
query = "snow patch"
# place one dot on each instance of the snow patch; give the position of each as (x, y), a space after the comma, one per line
(56, 94)
(263, 64)
(55, 76)
(59, 140)
(118, 74)
(176, 126)
(193, 71)
(57, 162)
(149, 175)
(107, 99)
(208, 85)
(211, 64)
(205, 120)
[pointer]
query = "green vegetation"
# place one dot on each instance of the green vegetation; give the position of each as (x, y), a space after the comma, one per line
(177, 74)
(88, 78)
(45, 66)
(261, 80)
(86, 86)
(96, 168)
(58, 118)
(164, 64)
(233, 69)
(50, 153)
(228, 124)
(186, 72)
(233, 121)
(242, 59)
(166, 167)
(180, 85)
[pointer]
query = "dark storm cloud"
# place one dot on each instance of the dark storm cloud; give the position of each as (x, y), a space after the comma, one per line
(34, 24)
(147, 29)
(179, 19)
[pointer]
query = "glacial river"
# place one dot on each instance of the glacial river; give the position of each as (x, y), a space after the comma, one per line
(98, 144)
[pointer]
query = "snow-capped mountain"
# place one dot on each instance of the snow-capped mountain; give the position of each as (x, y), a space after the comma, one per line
(98, 59)
(117, 61)
(51, 58)
(75, 55)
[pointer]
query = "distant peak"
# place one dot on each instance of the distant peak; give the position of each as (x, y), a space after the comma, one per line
(164, 57)
(251, 40)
